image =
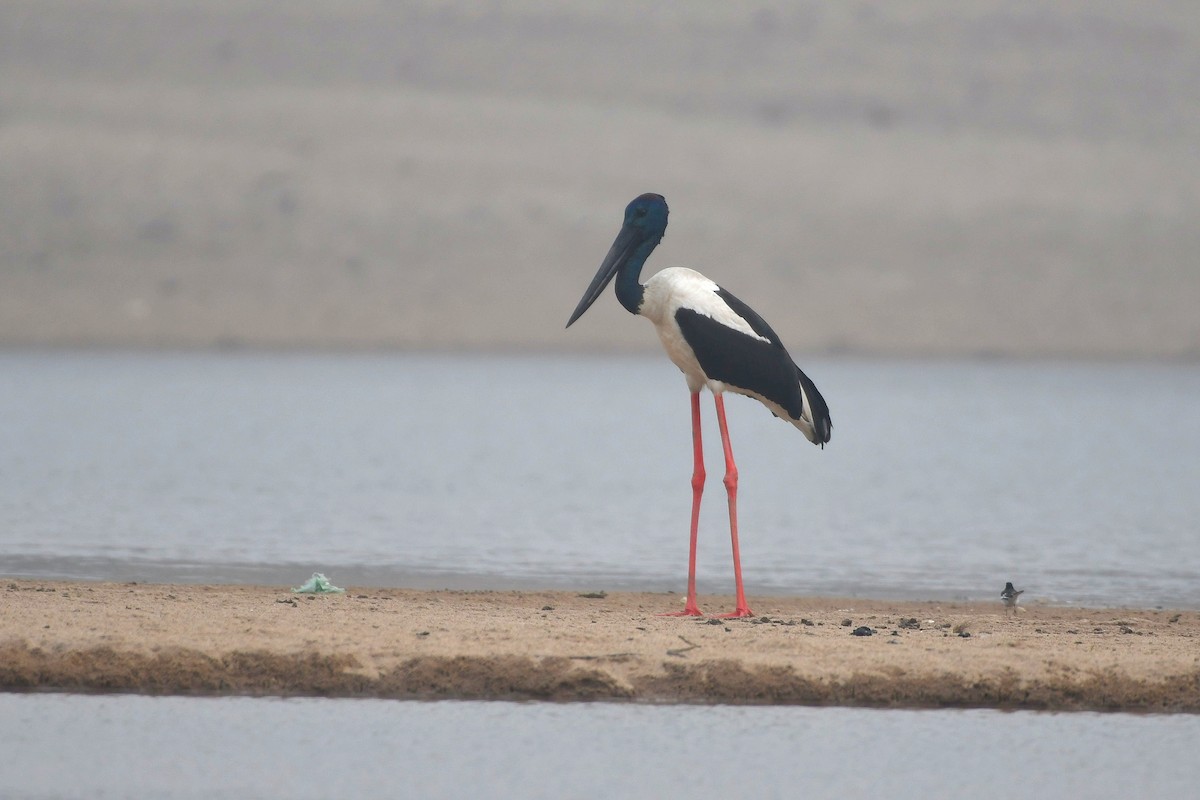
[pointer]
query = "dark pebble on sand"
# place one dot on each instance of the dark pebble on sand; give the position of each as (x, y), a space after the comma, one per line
(862, 631)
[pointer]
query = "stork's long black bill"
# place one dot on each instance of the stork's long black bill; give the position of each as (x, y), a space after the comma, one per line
(622, 248)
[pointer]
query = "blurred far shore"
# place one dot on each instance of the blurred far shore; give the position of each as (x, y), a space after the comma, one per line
(911, 179)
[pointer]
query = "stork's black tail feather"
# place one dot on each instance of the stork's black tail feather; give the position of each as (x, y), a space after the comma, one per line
(821, 422)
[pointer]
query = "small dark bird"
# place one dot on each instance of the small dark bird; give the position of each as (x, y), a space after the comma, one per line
(718, 343)
(1010, 596)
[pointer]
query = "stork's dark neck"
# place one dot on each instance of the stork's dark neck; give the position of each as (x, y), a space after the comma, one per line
(628, 284)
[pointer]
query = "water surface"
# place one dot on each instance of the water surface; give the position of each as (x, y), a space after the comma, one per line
(117, 746)
(943, 480)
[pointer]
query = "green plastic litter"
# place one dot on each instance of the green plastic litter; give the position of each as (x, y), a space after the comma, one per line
(318, 584)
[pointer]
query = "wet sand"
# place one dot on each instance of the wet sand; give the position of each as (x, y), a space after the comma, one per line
(395, 643)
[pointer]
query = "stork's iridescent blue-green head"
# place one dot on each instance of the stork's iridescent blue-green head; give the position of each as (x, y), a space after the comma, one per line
(645, 223)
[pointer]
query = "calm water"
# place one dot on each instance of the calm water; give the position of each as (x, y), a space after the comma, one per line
(943, 480)
(72, 746)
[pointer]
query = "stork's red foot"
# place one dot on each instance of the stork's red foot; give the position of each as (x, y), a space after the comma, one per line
(738, 613)
(691, 610)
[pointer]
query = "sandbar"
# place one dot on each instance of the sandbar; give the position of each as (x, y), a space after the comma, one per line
(591, 646)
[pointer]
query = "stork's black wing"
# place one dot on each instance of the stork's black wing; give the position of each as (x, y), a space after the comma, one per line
(740, 360)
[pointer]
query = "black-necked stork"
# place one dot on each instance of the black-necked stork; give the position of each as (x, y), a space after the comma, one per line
(716, 341)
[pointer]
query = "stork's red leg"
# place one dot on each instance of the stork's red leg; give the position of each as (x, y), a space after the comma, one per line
(731, 481)
(690, 609)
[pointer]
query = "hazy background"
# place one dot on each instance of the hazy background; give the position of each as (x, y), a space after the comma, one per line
(901, 178)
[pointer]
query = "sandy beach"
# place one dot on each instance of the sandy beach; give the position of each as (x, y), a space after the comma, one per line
(908, 180)
(563, 646)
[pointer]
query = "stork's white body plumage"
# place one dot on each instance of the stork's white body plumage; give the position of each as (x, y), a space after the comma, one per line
(679, 287)
(676, 288)
(716, 341)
